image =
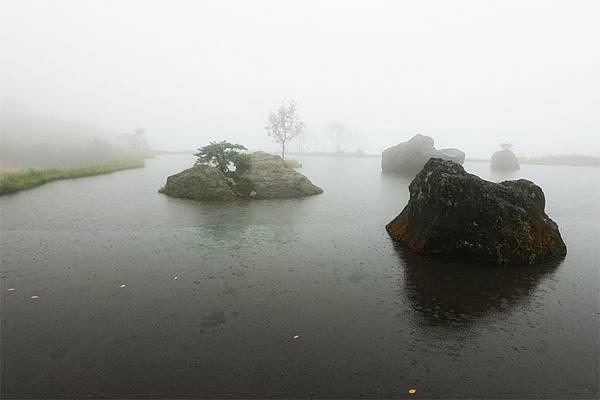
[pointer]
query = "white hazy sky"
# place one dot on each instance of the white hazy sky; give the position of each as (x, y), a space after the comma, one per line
(469, 73)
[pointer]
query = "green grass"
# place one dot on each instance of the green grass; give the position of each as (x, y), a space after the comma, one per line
(12, 182)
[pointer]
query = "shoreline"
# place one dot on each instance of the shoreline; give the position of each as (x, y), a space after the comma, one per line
(28, 178)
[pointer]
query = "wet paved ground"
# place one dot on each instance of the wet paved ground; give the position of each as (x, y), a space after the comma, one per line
(141, 295)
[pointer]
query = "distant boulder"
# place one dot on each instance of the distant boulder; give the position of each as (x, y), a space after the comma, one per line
(409, 157)
(266, 176)
(456, 215)
(450, 154)
(505, 160)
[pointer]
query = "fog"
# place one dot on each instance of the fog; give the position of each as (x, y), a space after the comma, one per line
(471, 74)
(161, 236)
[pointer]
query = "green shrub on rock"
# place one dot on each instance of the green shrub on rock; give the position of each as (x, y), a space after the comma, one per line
(241, 162)
(219, 155)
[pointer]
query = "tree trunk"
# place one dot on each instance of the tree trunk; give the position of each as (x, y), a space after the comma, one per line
(283, 150)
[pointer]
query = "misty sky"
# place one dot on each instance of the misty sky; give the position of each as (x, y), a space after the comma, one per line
(469, 73)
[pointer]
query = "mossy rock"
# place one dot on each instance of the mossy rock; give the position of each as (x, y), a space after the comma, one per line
(274, 179)
(266, 177)
(201, 182)
(453, 214)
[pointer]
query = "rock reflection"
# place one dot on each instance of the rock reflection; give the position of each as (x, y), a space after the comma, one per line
(238, 224)
(456, 294)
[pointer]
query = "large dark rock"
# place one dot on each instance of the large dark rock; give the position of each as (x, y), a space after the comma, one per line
(267, 177)
(409, 157)
(505, 160)
(453, 214)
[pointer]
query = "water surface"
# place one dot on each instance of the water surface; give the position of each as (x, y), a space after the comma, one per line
(214, 294)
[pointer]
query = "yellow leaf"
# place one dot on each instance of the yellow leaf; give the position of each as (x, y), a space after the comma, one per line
(123, 285)
(175, 277)
(296, 337)
(35, 297)
(412, 391)
(11, 289)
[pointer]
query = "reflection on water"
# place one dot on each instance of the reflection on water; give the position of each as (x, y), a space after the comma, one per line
(455, 294)
(214, 293)
(244, 222)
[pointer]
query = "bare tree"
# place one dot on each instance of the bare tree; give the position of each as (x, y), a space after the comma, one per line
(507, 146)
(340, 135)
(283, 125)
(361, 142)
(302, 141)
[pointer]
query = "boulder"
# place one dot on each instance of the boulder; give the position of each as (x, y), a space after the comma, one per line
(273, 178)
(201, 182)
(409, 157)
(449, 154)
(505, 160)
(266, 177)
(293, 163)
(456, 215)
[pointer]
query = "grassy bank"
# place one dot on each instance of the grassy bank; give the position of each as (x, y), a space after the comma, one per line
(12, 182)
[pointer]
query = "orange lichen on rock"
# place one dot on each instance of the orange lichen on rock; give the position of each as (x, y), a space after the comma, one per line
(543, 240)
(399, 229)
(418, 245)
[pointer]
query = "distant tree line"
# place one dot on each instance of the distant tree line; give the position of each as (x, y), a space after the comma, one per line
(566, 159)
(94, 151)
(135, 143)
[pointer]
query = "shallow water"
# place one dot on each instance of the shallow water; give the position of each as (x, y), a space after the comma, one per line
(373, 319)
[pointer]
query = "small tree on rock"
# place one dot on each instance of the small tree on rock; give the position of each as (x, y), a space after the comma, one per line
(220, 155)
(283, 125)
(241, 162)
